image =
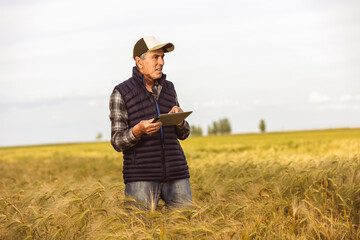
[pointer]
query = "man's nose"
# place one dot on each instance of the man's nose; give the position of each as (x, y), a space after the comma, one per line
(161, 61)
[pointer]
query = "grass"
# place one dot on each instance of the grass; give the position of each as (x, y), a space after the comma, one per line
(293, 185)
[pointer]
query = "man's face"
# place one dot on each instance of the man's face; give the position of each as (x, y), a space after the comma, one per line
(152, 64)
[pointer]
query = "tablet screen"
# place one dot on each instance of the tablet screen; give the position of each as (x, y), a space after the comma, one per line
(172, 118)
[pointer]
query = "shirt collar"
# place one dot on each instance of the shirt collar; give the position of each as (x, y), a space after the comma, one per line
(137, 75)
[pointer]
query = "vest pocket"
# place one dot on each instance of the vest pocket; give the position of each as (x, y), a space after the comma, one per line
(133, 159)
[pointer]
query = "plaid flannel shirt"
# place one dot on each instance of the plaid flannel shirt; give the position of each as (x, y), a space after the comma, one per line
(122, 137)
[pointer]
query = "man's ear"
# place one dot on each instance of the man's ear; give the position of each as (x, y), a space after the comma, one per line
(138, 62)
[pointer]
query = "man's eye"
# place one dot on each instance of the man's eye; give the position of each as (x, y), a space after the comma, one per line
(157, 56)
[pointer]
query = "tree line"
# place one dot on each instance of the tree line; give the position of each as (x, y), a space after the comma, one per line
(221, 127)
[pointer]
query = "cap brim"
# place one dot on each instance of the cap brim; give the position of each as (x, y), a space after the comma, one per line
(168, 47)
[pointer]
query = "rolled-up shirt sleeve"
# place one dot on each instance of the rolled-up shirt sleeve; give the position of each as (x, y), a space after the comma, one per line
(122, 137)
(184, 131)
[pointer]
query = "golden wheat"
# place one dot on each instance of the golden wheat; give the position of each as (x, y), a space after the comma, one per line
(296, 185)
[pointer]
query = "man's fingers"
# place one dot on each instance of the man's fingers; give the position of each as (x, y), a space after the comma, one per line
(158, 124)
(151, 128)
(176, 109)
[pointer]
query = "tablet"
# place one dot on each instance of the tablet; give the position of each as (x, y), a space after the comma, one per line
(172, 118)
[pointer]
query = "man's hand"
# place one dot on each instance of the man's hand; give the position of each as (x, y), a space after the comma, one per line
(176, 109)
(146, 127)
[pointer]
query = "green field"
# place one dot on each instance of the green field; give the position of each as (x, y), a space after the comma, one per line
(294, 185)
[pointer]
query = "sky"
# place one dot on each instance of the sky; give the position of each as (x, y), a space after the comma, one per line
(295, 64)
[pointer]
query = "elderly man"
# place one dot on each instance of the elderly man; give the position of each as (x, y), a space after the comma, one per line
(154, 163)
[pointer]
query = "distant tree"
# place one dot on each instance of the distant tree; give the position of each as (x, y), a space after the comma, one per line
(210, 131)
(262, 126)
(99, 136)
(224, 126)
(196, 131)
(220, 127)
(214, 129)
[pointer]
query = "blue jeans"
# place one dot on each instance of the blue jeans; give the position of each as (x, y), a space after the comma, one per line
(175, 193)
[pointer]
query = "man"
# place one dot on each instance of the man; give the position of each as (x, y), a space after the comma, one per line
(154, 163)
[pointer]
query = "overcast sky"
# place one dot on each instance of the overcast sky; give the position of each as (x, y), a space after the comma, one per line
(295, 64)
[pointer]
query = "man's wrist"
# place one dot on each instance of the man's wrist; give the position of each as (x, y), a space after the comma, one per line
(137, 131)
(181, 124)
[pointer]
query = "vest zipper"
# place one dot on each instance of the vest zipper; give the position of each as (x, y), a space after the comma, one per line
(161, 129)
(133, 159)
(162, 141)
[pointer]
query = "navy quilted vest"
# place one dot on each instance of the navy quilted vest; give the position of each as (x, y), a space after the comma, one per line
(158, 157)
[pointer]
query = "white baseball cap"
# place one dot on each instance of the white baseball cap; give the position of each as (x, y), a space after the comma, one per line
(150, 44)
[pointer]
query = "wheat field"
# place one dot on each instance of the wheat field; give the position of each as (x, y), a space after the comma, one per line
(290, 185)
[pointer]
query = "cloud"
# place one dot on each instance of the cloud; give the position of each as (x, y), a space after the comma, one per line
(91, 100)
(219, 103)
(264, 103)
(349, 98)
(339, 106)
(345, 102)
(316, 97)
(235, 103)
